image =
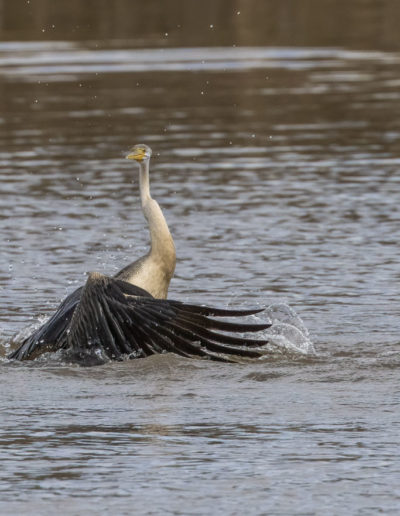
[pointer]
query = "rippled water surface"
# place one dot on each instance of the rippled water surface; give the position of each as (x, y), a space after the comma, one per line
(278, 170)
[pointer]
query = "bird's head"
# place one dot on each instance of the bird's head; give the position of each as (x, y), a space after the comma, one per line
(139, 153)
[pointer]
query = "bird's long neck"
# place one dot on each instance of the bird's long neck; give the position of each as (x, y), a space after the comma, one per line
(162, 245)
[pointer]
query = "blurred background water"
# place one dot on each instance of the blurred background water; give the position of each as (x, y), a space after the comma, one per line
(275, 130)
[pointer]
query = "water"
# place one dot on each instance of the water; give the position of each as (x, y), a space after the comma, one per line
(276, 163)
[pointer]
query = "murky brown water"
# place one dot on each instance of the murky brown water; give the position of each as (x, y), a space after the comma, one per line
(277, 164)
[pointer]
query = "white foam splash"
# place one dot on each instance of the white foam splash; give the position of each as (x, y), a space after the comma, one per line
(288, 332)
(28, 330)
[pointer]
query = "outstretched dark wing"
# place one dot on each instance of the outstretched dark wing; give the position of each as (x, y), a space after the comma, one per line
(49, 336)
(113, 319)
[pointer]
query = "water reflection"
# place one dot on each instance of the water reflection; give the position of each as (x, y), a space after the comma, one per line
(211, 22)
(71, 62)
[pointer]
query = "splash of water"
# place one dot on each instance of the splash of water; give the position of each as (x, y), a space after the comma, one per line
(288, 333)
(28, 330)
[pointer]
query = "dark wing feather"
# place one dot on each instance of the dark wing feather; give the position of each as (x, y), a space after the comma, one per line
(52, 335)
(214, 312)
(113, 320)
(110, 319)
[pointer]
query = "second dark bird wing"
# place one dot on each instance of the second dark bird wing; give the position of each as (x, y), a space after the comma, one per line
(114, 319)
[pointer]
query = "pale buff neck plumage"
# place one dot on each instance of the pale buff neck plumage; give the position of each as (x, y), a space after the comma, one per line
(152, 272)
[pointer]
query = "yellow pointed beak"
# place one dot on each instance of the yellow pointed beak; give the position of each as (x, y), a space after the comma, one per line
(137, 154)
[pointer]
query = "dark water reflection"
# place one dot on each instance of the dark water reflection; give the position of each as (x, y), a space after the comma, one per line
(277, 167)
(186, 23)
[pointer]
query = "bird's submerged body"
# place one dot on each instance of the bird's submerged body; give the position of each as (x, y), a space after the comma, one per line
(129, 316)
